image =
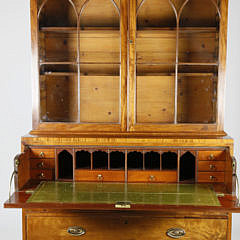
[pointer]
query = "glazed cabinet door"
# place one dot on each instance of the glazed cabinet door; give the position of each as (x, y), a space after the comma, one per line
(80, 78)
(177, 56)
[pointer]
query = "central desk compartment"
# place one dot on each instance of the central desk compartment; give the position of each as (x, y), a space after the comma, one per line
(126, 164)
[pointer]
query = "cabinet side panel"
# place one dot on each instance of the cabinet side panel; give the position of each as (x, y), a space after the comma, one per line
(222, 63)
(35, 70)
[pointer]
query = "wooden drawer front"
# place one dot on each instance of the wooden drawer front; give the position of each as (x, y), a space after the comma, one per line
(213, 166)
(212, 155)
(42, 153)
(44, 174)
(42, 163)
(116, 227)
(152, 176)
(99, 175)
(211, 177)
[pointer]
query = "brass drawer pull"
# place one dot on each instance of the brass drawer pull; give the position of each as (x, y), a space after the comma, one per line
(40, 165)
(212, 178)
(175, 232)
(41, 175)
(76, 231)
(212, 166)
(100, 177)
(211, 157)
(42, 154)
(152, 178)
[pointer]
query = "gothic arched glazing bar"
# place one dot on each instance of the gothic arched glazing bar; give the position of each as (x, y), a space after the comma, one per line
(177, 46)
(83, 7)
(218, 10)
(212, 1)
(177, 14)
(86, 2)
(140, 5)
(45, 1)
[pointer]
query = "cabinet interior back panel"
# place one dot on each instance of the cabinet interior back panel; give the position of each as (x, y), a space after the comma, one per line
(99, 99)
(197, 99)
(59, 98)
(155, 99)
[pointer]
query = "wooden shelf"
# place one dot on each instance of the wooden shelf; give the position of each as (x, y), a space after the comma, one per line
(170, 32)
(181, 63)
(58, 63)
(76, 63)
(60, 73)
(150, 74)
(179, 74)
(107, 32)
(198, 63)
(74, 74)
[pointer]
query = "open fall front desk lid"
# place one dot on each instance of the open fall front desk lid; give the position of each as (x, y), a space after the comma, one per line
(120, 193)
(131, 196)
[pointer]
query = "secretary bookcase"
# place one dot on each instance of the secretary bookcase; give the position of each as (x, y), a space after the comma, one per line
(128, 139)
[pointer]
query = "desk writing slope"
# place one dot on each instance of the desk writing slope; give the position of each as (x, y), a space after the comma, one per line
(111, 193)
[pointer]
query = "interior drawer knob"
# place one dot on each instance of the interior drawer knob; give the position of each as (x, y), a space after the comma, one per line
(42, 154)
(212, 178)
(212, 166)
(40, 165)
(76, 231)
(42, 175)
(100, 177)
(175, 232)
(152, 178)
(211, 157)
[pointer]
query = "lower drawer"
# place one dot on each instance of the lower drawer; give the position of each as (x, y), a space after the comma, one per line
(123, 227)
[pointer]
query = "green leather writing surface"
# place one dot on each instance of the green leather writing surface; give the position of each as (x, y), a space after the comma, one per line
(135, 193)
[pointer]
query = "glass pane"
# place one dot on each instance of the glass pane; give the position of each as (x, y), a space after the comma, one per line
(58, 98)
(100, 62)
(57, 13)
(155, 62)
(99, 99)
(58, 61)
(198, 62)
(197, 98)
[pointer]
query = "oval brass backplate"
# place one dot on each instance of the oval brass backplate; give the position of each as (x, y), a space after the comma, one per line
(76, 231)
(175, 233)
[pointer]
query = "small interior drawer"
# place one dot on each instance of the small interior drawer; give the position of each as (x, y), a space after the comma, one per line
(122, 226)
(212, 155)
(213, 166)
(211, 177)
(42, 153)
(42, 174)
(99, 175)
(43, 163)
(152, 176)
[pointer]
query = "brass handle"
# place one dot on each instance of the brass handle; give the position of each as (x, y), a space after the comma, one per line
(212, 166)
(211, 157)
(152, 178)
(42, 154)
(76, 231)
(175, 232)
(100, 177)
(41, 175)
(212, 178)
(40, 165)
